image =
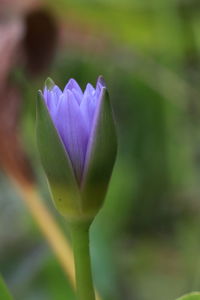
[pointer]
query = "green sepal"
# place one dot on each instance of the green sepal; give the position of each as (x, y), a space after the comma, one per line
(4, 292)
(100, 158)
(191, 296)
(56, 164)
(49, 83)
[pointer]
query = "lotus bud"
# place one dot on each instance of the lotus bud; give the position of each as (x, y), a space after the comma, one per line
(77, 145)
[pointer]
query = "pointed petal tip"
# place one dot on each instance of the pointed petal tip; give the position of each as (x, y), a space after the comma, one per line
(72, 84)
(72, 80)
(101, 81)
(49, 83)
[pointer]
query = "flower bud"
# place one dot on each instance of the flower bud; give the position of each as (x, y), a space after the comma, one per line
(77, 144)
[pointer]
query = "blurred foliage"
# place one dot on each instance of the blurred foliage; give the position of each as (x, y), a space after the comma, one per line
(4, 291)
(145, 241)
(192, 296)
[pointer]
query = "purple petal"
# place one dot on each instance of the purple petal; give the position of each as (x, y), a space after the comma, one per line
(71, 127)
(99, 85)
(90, 90)
(73, 86)
(57, 91)
(88, 105)
(92, 136)
(73, 115)
(51, 98)
(101, 81)
(77, 96)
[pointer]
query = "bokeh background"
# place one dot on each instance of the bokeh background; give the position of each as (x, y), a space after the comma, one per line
(145, 242)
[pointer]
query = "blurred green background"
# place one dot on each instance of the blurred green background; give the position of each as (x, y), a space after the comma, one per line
(145, 242)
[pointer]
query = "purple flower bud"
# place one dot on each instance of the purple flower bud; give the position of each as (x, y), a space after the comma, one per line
(72, 112)
(77, 144)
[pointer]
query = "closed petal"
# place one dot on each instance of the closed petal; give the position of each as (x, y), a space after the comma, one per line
(100, 156)
(57, 164)
(73, 86)
(77, 96)
(57, 91)
(50, 102)
(88, 106)
(101, 81)
(51, 98)
(71, 126)
(99, 85)
(90, 90)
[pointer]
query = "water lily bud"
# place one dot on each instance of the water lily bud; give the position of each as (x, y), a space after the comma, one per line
(77, 145)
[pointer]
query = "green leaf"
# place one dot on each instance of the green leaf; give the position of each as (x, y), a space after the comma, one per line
(4, 293)
(191, 296)
(56, 163)
(100, 157)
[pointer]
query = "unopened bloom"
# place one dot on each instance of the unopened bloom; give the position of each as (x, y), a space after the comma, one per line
(72, 112)
(77, 144)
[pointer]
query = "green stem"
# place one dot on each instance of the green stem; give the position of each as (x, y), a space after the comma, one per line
(80, 241)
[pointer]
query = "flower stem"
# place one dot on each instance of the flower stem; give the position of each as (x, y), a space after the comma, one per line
(80, 241)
